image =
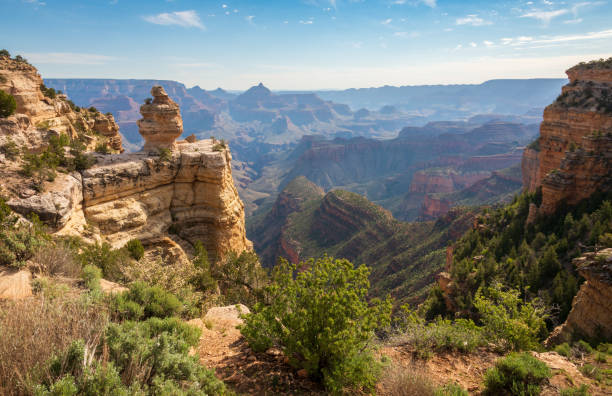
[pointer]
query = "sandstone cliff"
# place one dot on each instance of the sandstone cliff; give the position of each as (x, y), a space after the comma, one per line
(42, 113)
(575, 140)
(188, 191)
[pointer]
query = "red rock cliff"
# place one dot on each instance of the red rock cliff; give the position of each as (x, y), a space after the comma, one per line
(575, 140)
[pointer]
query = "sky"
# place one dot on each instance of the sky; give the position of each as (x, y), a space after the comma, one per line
(306, 44)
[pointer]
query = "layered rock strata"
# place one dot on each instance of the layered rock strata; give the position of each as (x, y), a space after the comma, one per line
(138, 196)
(161, 122)
(575, 145)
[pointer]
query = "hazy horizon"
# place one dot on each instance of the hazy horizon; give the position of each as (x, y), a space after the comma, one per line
(309, 44)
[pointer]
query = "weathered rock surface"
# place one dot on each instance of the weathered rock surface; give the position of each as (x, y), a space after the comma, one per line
(575, 141)
(161, 122)
(138, 196)
(591, 314)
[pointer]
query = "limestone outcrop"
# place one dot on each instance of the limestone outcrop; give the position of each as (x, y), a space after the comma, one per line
(41, 114)
(161, 122)
(575, 140)
(191, 193)
(591, 314)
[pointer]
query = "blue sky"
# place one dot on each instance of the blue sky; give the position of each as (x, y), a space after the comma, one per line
(306, 44)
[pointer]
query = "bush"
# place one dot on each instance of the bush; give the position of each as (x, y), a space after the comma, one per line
(57, 260)
(48, 92)
(154, 354)
(4, 54)
(103, 256)
(19, 242)
(322, 321)
(92, 276)
(102, 148)
(516, 374)
(8, 105)
(510, 322)
(406, 381)
(564, 350)
(240, 278)
(452, 390)
(10, 149)
(583, 390)
(592, 371)
(165, 155)
(142, 301)
(135, 249)
(439, 335)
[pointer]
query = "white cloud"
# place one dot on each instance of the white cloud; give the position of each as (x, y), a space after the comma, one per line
(518, 41)
(473, 20)
(306, 22)
(428, 3)
(67, 58)
(458, 47)
(573, 21)
(545, 16)
(387, 21)
(473, 44)
(223, 5)
(186, 19)
(249, 19)
(35, 2)
(488, 43)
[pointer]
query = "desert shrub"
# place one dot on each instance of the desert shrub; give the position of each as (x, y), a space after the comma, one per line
(165, 155)
(240, 278)
(564, 350)
(37, 328)
(154, 354)
(103, 256)
(10, 149)
(4, 53)
(202, 278)
(48, 92)
(406, 381)
(18, 241)
(582, 390)
(91, 277)
(601, 357)
(57, 260)
(591, 371)
(584, 347)
(102, 148)
(142, 301)
(322, 321)
(93, 109)
(135, 249)
(8, 105)
(148, 100)
(516, 374)
(439, 335)
(510, 322)
(451, 390)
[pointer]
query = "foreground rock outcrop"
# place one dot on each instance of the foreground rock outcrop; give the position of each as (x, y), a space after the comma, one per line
(571, 160)
(591, 314)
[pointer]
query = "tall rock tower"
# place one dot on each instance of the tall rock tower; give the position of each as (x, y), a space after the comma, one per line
(161, 122)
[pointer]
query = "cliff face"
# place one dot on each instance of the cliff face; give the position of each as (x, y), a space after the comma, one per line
(591, 314)
(38, 116)
(137, 196)
(188, 191)
(575, 140)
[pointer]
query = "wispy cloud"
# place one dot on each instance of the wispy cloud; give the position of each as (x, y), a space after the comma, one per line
(473, 20)
(249, 19)
(185, 19)
(488, 43)
(67, 58)
(573, 21)
(473, 44)
(309, 22)
(428, 3)
(407, 34)
(545, 16)
(518, 41)
(35, 2)
(387, 21)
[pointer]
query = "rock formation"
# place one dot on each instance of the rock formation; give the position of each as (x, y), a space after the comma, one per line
(575, 140)
(161, 122)
(591, 314)
(38, 116)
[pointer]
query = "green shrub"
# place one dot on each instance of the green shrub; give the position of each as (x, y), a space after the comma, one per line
(510, 322)
(452, 390)
(592, 371)
(202, 279)
(142, 301)
(516, 374)
(8, 105)
(19, 242)
(10, 149)
(102, 148)
(583, 390)
(135, 249)
(564, 350)
(165, 155)
(601, 357)
(4, 54)
(154, 354)
(240, 278)
(103, 256)
(322, 321)
(584, 347)
(92, 275)
(48, 92)
(439, 335)
(93, 109)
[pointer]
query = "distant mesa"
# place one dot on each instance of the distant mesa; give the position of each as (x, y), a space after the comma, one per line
(161, 122)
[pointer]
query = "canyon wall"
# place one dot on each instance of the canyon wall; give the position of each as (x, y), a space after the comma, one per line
(573, 160)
